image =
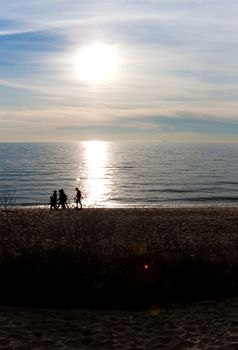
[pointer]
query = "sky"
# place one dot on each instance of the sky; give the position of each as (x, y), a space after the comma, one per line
(174, 78)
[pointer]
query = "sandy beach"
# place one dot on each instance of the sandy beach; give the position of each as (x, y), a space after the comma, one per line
(201, 326)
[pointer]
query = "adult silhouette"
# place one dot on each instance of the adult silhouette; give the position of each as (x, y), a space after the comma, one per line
(78, 198)
(62, 198)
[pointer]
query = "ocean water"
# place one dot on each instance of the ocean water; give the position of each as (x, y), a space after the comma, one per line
(112, 174)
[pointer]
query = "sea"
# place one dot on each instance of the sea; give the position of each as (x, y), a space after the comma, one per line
(117, 174)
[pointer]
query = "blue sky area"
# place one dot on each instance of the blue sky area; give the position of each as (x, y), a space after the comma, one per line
(175, 77)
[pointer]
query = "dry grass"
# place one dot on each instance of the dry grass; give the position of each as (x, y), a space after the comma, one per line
(118, 254)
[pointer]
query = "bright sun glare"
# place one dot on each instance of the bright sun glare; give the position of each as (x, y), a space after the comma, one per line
(96, 153)
(97, 63)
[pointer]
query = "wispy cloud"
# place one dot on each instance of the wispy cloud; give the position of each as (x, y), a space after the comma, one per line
(178, 60)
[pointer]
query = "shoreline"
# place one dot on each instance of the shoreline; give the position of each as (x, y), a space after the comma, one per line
(129, 206)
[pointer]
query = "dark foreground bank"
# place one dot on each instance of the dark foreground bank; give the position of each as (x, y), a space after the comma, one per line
(117, 257)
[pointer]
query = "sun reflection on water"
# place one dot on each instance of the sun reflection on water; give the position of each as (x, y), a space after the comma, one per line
(96, 187)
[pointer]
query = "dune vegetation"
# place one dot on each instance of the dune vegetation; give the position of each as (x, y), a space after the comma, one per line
(117, 256)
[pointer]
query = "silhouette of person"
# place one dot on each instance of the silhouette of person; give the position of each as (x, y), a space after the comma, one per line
(53, 201)
(78, 198)
(62, 198)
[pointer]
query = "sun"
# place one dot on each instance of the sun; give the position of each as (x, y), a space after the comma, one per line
(97, 63)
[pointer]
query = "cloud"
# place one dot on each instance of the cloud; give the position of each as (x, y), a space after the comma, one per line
(178, 61)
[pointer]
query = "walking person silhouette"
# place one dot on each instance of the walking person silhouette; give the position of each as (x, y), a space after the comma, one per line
(62, 198)
(78, 198)
(53, 201)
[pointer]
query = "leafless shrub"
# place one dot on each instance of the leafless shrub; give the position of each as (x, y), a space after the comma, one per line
(7, 200)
